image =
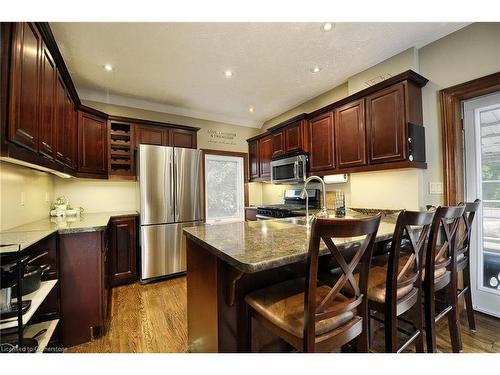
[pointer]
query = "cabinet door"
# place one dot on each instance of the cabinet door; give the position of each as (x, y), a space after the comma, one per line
(46, 130)
(182, 138)
(60, 128)
(123, 251)
(71, 133)
(321, 153)
(152, 135)
(293, 137)
(92, 151)
(350, 140)
(25, 79)
(278, 143)
(385, 125)
(265, 154)
(253, 156)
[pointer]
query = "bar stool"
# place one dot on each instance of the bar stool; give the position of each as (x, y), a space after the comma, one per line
(309, 315)
(463, 263)
(396, 287)
(440, 275)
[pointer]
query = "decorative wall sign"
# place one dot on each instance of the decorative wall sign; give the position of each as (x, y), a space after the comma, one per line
(377, 79)
(225, 138)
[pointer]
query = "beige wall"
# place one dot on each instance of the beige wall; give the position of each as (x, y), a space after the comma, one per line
(37, 189)
(207, 135)
(467, 54)
(97, 195)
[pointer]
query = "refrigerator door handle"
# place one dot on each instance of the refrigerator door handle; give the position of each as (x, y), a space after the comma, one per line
(173, 171)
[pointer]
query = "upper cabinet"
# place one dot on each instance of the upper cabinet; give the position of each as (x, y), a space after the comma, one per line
(321, 133)
(385, 124)
(253, 156)
(92, 145)
(60, 127)
(377, 128)
(182, 138)
(46, 130)
(350, 140)
(265, 155)
(24, 111)
(151, 135)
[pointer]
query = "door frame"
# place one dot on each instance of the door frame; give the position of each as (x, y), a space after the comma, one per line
(452, 132)
(244, 155)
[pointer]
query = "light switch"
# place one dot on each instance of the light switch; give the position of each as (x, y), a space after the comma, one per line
(435, 188)
(23, 198)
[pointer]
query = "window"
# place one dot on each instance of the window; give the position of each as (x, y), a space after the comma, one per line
(224, 191)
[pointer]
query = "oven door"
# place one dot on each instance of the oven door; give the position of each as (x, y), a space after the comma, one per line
(288, 170)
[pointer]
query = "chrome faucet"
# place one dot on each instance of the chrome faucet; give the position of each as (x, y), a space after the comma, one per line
(323, 212)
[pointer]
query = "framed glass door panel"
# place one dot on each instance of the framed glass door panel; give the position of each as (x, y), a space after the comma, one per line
(482, 165)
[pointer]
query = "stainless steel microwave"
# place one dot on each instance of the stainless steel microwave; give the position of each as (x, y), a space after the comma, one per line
(289, 170)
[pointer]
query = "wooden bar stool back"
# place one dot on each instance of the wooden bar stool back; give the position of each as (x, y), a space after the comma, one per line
(463, 256)
(314, 317)
(440, 274)
(403, 281)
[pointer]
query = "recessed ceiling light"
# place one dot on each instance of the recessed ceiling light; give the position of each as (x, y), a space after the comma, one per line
(228, 73)
(251, 109)
(328, 26)
(315, 69)
(108, 68)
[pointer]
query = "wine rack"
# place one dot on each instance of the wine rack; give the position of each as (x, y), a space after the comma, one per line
(121, 150)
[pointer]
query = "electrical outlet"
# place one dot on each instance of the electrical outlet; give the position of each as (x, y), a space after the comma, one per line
(435, 188)
(46, 197)
(23, 198)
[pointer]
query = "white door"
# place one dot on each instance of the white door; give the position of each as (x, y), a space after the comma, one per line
(482, 165)
(224, 188)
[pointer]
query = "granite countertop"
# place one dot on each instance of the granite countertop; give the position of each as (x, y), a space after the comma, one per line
(255, 246)
(29, 234)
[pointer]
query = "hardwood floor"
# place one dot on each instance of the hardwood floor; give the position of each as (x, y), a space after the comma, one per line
(152, 318)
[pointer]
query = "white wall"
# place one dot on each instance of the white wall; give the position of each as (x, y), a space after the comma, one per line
(97, 195)
(17, 182)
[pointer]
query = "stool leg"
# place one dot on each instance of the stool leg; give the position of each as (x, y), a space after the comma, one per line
(418, 321)
(391, 331)
(468, 299)
(430, 324)
(454, 326)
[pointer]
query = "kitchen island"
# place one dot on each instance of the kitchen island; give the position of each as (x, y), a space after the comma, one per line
(227, 261)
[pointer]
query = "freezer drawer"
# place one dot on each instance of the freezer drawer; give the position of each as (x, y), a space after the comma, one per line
(163, 249)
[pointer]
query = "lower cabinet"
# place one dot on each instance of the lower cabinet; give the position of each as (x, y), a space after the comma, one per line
(85, 286)
(123, 252)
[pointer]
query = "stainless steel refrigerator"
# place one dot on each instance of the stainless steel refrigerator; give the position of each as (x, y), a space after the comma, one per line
(171, 196)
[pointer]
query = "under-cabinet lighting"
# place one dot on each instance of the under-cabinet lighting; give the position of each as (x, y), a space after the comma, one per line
(34, 166)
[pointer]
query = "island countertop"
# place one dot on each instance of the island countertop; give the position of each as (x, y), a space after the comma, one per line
(255, 246)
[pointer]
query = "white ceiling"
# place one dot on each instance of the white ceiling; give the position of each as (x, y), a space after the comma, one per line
(179, 67)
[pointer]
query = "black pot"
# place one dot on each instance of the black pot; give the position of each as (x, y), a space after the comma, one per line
(32, 279)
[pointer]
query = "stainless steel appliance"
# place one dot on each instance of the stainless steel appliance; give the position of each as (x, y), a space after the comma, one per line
(171, 196)
(289, 170)
(293, 205)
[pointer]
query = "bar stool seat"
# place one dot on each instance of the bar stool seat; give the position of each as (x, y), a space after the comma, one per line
(283, 305)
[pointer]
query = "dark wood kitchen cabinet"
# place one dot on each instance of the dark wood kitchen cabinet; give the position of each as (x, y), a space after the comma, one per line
(92, 145)
(385, 124)
(350, 138)
(24, 111)
(182, 138)
(71, 134)
(85, 285)
(278, 143)
(46, 131)
(321, 135)
(265, 155)
(151, 135)
(253, 162)
(293, 137)
(60, 128)
(123, 250)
